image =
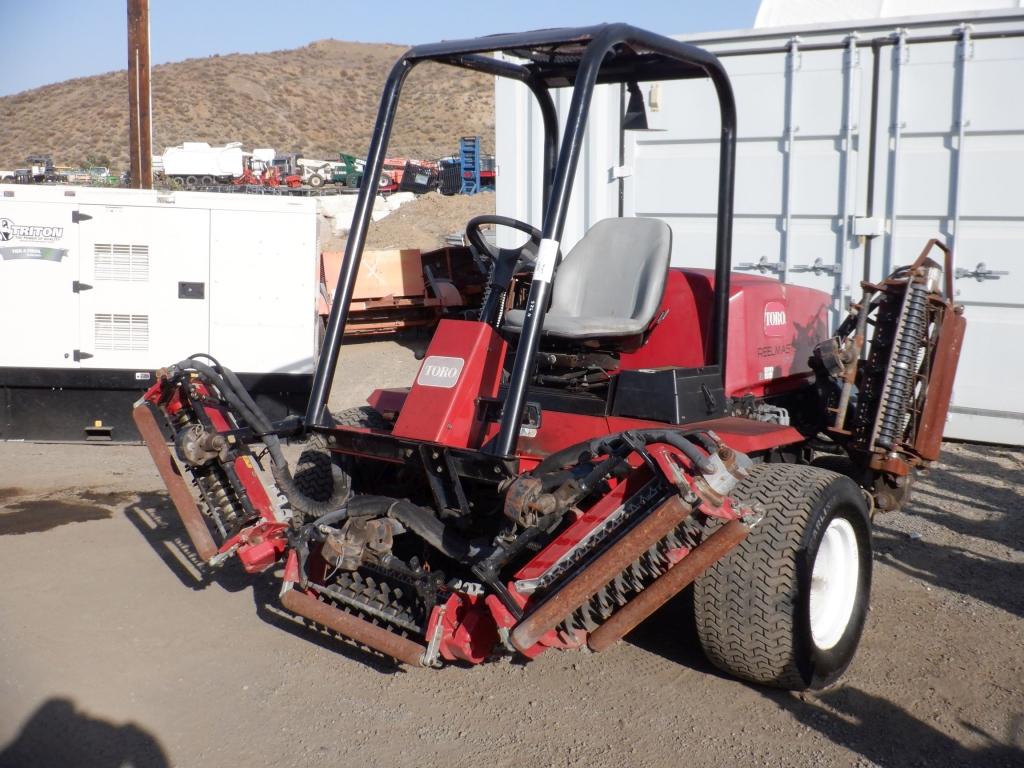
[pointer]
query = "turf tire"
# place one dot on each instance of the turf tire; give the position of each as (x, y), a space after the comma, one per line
(752, 608)
(313, 475)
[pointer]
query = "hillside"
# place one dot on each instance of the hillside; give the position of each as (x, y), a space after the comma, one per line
(319, 100)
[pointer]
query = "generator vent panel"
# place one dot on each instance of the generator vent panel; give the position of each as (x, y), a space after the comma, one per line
(122, 262)
(122, 333)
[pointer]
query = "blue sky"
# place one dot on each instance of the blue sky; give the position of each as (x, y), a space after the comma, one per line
(47, 41)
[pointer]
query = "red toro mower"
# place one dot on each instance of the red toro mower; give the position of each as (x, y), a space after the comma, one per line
(606, 431)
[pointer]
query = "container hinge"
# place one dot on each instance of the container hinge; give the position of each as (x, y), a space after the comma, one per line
(78, 287)
(79, 355)
(980, 273)
(762, 265)
(819, 267)
(78, 217)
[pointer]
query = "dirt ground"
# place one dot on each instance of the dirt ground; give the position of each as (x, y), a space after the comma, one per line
(425, 221)
(117, 650)
(422, 223)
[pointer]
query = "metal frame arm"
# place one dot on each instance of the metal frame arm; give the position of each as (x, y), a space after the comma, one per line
(331, 346)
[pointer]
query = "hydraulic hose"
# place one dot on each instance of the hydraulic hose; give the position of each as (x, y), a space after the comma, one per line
(232, 390)
(420, 520)
(425, 524)
(357, 506)
(596, 446)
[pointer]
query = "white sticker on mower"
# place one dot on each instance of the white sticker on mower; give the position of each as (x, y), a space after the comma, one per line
(544, 267)
(440, 371)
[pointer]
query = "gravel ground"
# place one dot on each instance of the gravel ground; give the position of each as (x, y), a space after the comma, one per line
(118, 651)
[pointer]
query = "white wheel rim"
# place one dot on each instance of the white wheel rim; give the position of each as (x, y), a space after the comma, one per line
(834, 580)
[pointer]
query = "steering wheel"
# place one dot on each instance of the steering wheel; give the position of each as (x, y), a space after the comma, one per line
(484, 248)
(504, 262)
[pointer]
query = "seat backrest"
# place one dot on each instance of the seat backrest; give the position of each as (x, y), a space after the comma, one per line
(618, 269)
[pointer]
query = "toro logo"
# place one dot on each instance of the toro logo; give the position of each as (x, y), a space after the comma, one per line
(774, 318)
(439, 371)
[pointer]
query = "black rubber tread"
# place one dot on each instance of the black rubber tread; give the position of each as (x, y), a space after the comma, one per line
(312, 474)
(748, 606)
(361, 416)
(843, 465)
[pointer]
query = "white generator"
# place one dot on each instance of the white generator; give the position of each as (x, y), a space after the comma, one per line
(100, 287)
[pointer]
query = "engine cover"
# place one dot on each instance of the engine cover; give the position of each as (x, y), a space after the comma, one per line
(772, 330)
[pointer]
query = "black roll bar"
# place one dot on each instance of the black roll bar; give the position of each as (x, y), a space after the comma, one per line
(601, 42)
(338, 318)
(549, 117)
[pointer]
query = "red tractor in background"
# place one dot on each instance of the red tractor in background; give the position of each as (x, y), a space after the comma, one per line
(604, 432)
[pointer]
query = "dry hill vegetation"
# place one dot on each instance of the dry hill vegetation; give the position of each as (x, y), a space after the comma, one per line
(318, 100)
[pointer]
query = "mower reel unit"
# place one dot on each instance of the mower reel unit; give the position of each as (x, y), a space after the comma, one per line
(605, 432)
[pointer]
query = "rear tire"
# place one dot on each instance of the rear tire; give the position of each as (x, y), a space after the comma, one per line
(316, 181)
(362, 416)
(313, 475)
(787, 606)
(313, 472)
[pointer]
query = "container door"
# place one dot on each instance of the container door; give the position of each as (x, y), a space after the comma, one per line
(38, 270)
(950, 165)
(144, 282)
(799, 155)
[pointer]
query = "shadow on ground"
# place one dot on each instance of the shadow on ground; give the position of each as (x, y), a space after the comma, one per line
(964, 506)
(672, 634)
(59, 734)
(154, 516)
(889, 736)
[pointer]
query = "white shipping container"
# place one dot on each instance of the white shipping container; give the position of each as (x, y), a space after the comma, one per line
(857, 143)
(100, 287)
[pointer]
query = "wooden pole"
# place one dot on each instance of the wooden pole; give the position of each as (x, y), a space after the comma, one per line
(140, 101)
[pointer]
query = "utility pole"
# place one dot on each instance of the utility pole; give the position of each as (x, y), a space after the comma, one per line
(140, 100)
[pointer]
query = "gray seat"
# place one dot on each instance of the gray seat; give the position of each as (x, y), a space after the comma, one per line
(610, 284)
